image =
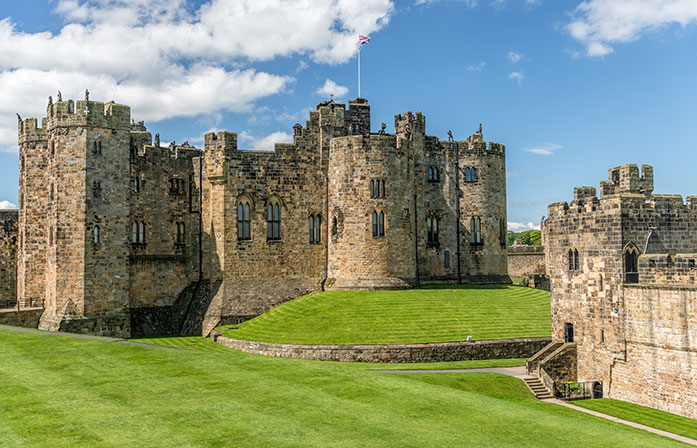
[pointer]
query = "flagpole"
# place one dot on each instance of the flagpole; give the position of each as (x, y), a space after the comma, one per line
(359, 70)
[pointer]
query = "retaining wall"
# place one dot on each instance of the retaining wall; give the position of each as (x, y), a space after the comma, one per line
(398, 353)
(23, 318)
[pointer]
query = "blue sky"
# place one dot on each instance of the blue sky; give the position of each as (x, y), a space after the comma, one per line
(571, 87)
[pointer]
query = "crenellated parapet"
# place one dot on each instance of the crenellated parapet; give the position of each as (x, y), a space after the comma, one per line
(84, 113)
(29, 131)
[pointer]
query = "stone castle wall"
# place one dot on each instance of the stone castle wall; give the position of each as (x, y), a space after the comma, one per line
(8, 257)
(661, 366)
(110, 223)
(524, 260)
(631, 328)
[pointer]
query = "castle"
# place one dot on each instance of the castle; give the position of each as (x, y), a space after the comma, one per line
(117, 236)
(624, 292)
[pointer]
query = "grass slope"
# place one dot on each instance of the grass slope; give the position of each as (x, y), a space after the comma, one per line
(433, 314)
(646, 416)
(67, 392)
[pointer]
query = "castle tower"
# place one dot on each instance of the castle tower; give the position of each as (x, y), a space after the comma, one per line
(482, 186)
(87, 274)
(33, 203)
(371, 242)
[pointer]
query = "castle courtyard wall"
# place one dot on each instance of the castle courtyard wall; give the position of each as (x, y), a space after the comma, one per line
(8, 257)
(524, 260)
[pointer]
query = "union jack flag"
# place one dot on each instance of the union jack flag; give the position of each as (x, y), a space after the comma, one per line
(363, 39)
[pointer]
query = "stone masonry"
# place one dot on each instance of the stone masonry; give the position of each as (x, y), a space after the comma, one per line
(622, 270)
(116, 232)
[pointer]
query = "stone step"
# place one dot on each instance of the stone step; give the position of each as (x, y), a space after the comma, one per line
(538, 388)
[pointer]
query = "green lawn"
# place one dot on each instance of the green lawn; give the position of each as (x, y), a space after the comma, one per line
(433, 314)
(69, 392)
(646, 416)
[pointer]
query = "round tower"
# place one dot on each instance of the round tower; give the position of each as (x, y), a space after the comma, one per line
(371, 200)
(483, 210)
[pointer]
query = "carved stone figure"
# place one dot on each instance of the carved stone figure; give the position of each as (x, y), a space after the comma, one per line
(382, 129)
(87, 95)
(60, 96)
(157, 140)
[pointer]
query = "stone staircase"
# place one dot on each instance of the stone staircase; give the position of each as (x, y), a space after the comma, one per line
(538, 388)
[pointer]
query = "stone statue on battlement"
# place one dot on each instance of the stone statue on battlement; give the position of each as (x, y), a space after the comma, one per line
(87, 95)
(19, 118)
(480, 129)
(382, 129)
(60, 96)
(157, 140)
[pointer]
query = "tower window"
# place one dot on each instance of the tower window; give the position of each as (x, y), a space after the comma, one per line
(446, 258)
(433, 174)
(273, 221)
(96, 190)
(631, 262)
(244, 222)
(136, 185)
(382, 224)
(335, 226)
(372, 188)
(375, 224)
(467, 173)
(181, 233)
(311, 225)
(97, 147)
(574, 260)
(476, 230)
(318, 229)
(96, 235)
(432, 226)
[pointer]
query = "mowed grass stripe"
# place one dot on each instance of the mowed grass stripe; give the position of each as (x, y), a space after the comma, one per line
(430, 314)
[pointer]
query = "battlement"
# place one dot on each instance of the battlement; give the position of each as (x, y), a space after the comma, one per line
(476, 145)
(668, 269)
(29, 131)
(626, 179)
(408, 124)
(89, 114)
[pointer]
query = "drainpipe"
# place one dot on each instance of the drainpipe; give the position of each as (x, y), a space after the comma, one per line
(646, 247)
(416, 242)
(326, 227)
(457, 202)
(200, 218)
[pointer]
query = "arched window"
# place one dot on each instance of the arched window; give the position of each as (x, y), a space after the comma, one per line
(430, 175)
(335, 226)
(244, 221)
(382, 183)
(311, 223)
(378, 193)
(473, 233)
(141, 233)
(436, 174)
(181, 233)
(134, 236)
(631, 263)
(432, 226)
(273, 218)
(318, 229)
(372, 188)
(94, 148)
(99, 147)
(96, 236)
(473, 174)
(467, 173)
(574, 260)
(382, 224)
(571, 260)
(375, 224)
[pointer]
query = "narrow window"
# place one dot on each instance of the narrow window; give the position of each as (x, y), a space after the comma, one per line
(378, 193)
(134, 236)
(382, 224)
(602, 336)
(474, 174)
(243, 221)
(99, 147)
(576, 263)
(430, 174)
(96, 237)
(479, 230)
(141, 233)
(273, 222)
(311, 222)
(335, 226)
(318, 229)
(372, 188)
(446, 256)
(571, 260)
(50, 193)
(473, 233)
(136, 185)
(375, 224)
(429, 226)
(94, 148)
(382, 182)
(631, 274)
(181, 233)
(53, 148)
(467, 173)
(436, 174)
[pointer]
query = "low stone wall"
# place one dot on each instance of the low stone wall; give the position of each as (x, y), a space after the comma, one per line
(398, 353)
(28, 317)
(524, 260)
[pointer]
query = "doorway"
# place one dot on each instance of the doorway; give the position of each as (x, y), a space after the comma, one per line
(568, 332)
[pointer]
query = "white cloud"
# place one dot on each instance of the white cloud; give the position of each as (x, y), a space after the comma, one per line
(7, 205)
(517, 76)
(331, 88)
(547, 149)
(599, 24)
(514, 56)
(477, 68)
(167, 59)
(248, 141)
(522, 226)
